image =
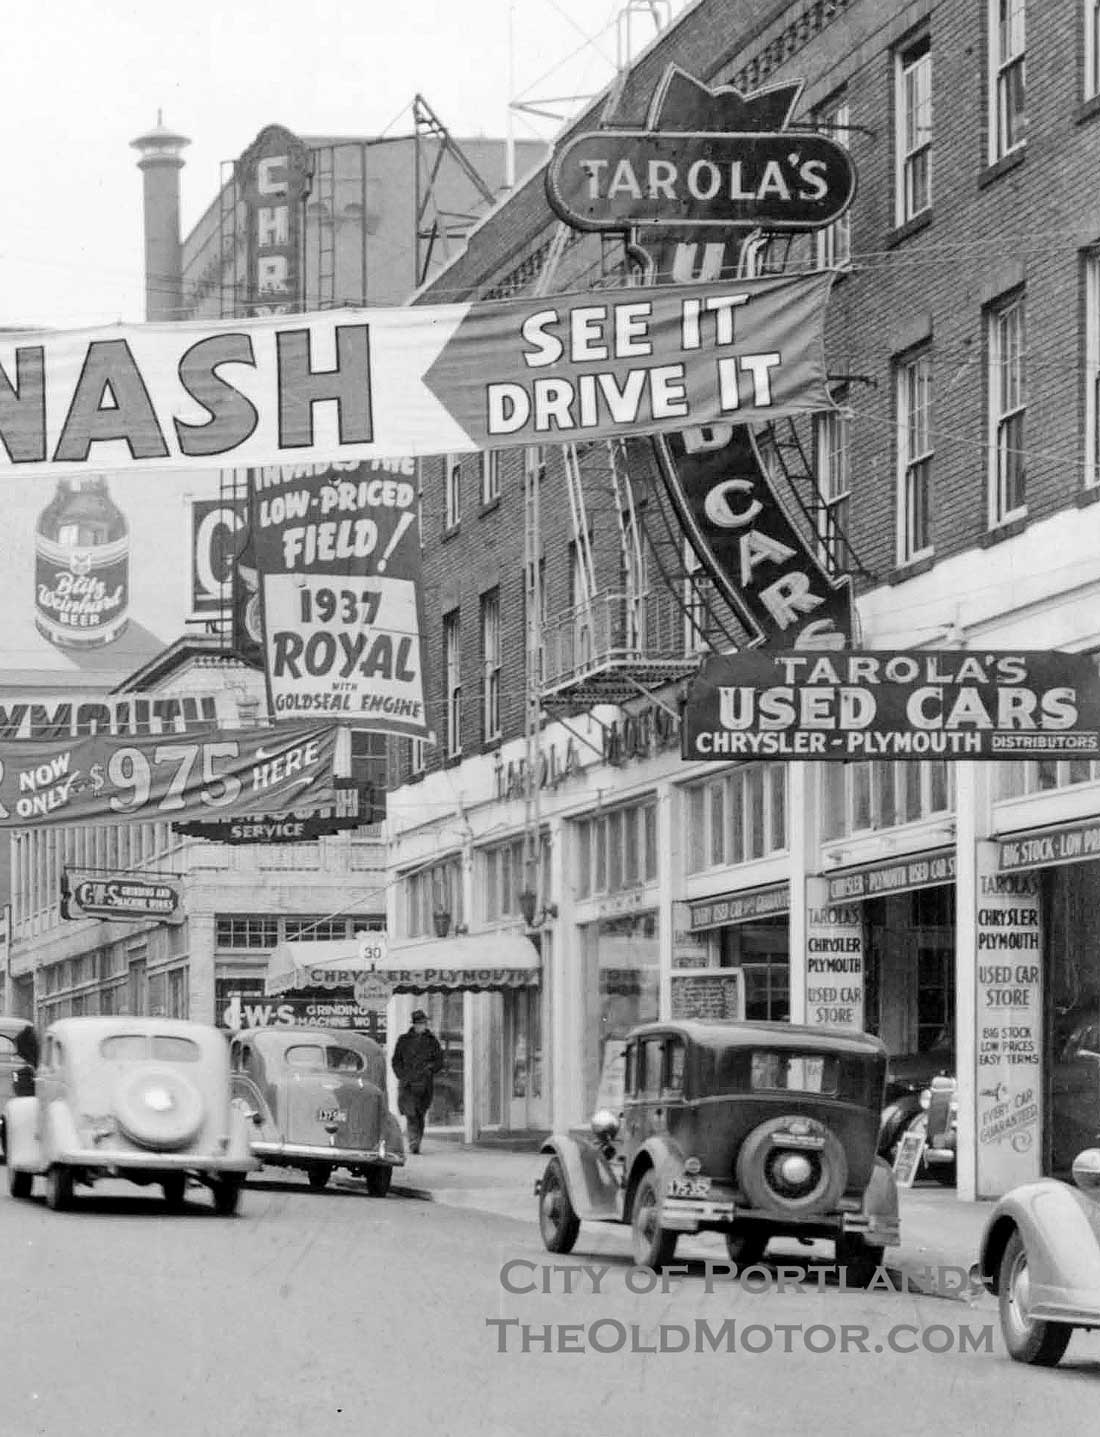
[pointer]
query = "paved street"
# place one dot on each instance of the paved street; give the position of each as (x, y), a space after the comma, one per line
(324, 1313)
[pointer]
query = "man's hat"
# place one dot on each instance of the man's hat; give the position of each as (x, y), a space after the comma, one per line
(419, 1015)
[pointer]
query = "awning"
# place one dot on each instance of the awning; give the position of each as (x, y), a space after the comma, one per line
(480, 962)
(315, 965)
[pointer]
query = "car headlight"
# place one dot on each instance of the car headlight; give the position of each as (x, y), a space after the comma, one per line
(926, 1098)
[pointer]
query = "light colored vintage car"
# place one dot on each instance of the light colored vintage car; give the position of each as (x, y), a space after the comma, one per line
(147, 1099)
(1040, 1256)
(317, 1100)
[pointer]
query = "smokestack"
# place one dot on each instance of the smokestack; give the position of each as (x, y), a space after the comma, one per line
(160, 163)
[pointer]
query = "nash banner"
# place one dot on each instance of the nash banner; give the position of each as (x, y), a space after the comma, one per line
(380, 383)
(911, 705)
(337, 554)
(108, 779)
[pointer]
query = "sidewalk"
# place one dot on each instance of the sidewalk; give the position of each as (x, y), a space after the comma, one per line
(937, 1230)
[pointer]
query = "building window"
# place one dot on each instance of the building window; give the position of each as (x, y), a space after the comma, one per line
(246, 931)
(453, 487)
(490, 665)
(914, 129)
(1014, 780)
(1092, 49)
(417, 758)
(452, 669)
(490, 476)
(617, 850)
(834, 244)
(432, 893)
(914, 400)
(1092, 369)
(1008, 400)
(737, 818)
(832, 436)
(316, 930)
(1008, 123)
(864, 797)
(506, 876)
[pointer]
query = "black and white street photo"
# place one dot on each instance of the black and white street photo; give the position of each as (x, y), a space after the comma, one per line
(550, 718)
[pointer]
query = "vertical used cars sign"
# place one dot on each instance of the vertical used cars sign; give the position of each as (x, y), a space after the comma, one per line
(894, 705)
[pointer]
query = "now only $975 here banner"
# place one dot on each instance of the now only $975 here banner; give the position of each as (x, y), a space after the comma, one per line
(434, 379)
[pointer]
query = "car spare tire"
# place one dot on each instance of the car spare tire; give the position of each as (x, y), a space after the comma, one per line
(792, 1164)
(158, 1108)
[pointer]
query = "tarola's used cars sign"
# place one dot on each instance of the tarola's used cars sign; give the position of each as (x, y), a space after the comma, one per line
(369, 384)
(888, 705)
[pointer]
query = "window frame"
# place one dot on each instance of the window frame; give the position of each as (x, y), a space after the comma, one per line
(914, 461)
(490, 477)
(1003, 417)
(452, 671)
(833, 244)
(1090, 77)
(913, 63)
(492, 665)
(1091, 465)
(833, 463)
(452, 492)
(1002, 72)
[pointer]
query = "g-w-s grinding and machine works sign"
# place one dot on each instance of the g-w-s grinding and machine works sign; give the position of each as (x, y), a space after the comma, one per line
(113, 778)
(433, 379)
(337, 556)
(911, 705)
(122, 897)
(706, 169)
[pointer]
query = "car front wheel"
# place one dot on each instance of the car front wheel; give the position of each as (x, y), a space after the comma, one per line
(20, 1185)
(558, 1221)
(379, 1176)
(858, 1259)
(653, 1245)
(59, 1188)
(1041, 1344)
(227, 1194)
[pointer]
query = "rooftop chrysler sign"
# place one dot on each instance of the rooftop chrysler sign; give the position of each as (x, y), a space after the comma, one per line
(909, 705)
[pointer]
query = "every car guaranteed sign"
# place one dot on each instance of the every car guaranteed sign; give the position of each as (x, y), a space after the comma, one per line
(903, 705)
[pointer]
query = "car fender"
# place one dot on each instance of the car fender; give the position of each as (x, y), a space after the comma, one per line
(896, 1117)
(1059, 1230)
(395, 1138)
(659, 1154)
(59, 1134)
(24, 1151)
(591, 1181)
(880, 1196)
(241, 1129)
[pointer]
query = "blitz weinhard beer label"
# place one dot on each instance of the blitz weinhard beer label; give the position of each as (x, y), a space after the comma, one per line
(82, 565)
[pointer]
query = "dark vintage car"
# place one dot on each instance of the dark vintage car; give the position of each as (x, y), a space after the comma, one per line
(754, 1130)
(912, 1081)
(317, 1100)
(146, 1099)
(1040, 1256)
(18, 1060)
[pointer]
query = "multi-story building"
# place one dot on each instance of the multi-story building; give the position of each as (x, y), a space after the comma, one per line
(957, 487)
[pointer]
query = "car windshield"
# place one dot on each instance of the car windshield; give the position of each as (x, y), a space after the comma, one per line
(794, 1072)
(317, 1059)
(155, 1047)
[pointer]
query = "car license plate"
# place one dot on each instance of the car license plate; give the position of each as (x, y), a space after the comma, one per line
(331, 1115)
(688, 1187)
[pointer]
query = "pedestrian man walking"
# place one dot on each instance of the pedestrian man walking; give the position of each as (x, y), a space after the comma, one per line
(417, 1057)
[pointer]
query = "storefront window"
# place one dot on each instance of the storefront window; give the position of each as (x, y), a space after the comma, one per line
(445, 1015)
(621, 987)
(431, 890)
(762, 952)
(868, 797)
(909, 973)
(736, 817)
(1016, 779)
(1071, 900)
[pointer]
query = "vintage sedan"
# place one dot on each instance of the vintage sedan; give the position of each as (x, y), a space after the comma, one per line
(18, 1060)
(147, 1099)
(1040, 1257)
(754, 1130)
(317, 1100)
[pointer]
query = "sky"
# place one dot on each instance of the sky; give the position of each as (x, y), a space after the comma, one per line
(80, 79)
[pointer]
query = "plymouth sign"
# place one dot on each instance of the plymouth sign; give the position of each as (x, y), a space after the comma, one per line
(905, 705)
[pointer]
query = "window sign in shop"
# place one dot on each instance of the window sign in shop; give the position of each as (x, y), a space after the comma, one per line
(948, 705)
(834, 960)
(690, 948)
(613, 1077)
(1008, 936)
(741, 907)
(875, 880)
(717, 996)
(1070, 844)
